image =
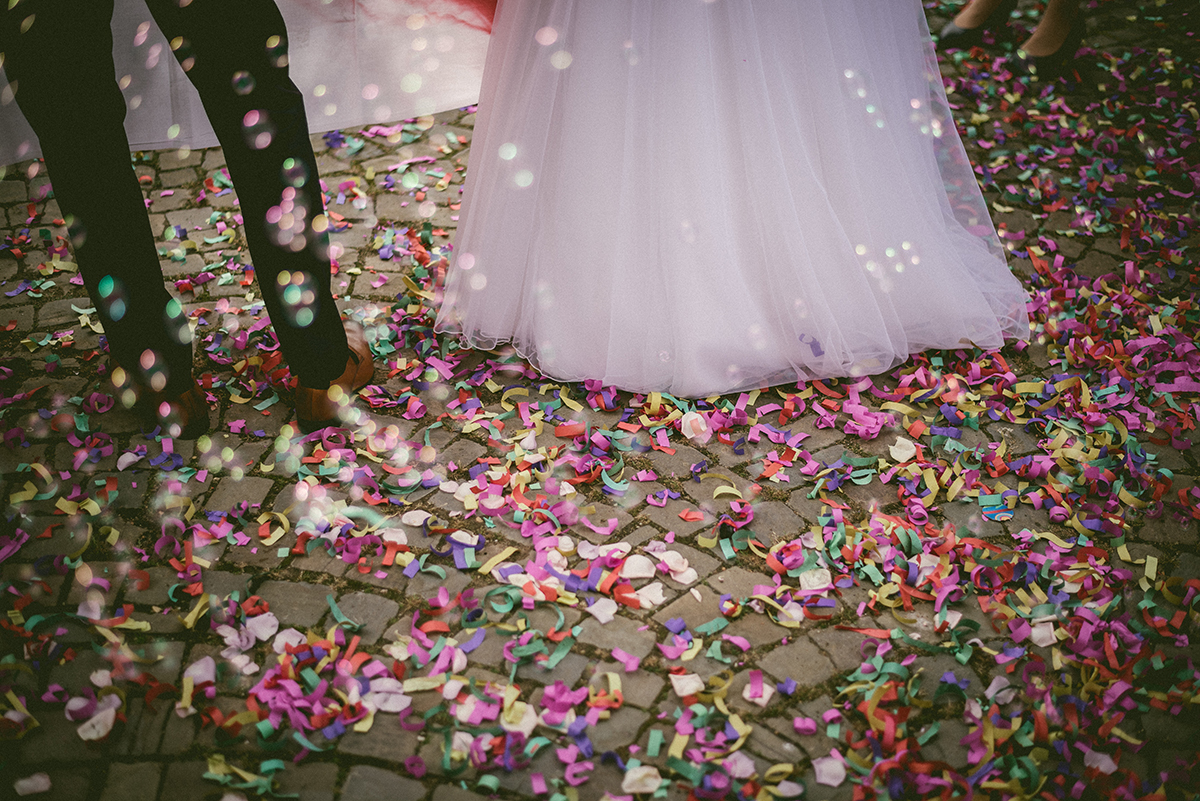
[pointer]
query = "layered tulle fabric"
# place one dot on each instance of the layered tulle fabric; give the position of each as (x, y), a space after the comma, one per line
(357, 62)
(702, 197)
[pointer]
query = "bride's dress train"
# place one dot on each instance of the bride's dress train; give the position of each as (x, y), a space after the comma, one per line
(702, 197)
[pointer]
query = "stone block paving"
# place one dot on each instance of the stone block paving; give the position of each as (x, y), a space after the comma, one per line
(486, 585)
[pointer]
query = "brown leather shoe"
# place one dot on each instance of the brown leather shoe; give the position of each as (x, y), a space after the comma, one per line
(318, 408)
(182, 416)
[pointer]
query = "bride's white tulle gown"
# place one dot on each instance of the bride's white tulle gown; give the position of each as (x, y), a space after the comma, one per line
(706, 196)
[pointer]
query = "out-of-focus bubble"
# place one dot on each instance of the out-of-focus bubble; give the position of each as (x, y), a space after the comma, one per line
(444, 44)
(124, 82)
(664, 355)
(319, 90)
(410, 83)
(370, 92)
(431, 64)
(415, 22)
(546, 36)
(523, 178)
(544, 295)
(152, 56)
(508, 151)
(478, 281)
(173, 131)
(861, 250)
(304, 318)
(277, 51)
(243, 82)
(420, 43)
(561, 59)
(427, 208)
(148, 359)
(466, 261)
(295, 174)
(135, 102)
(687, 231)
(143, 30)
(116, 310)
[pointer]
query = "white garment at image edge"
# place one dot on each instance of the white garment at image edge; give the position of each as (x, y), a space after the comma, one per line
(358, 62)
(704, 197)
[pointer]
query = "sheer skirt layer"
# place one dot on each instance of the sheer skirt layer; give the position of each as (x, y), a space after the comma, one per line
(705, 197)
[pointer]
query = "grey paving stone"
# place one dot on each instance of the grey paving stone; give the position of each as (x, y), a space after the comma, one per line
(369, 611)
(843, 647)
(313, 781)
(386, 740)
(567, 671)
(174, 159)
(220, 584)
(161, 579)
(366, 783)
(799, 660)
(737, 582)
(773, 748)
(620, 632)
(57, 741)
(676, 465)
(667, 517)
(618, 731)
(452, 792)
(934, 667)
(13, 191)
(296, 603)
(230, 492)
(946, 746)
(640, 688)
(185, 782)
(132, 781)
(174, 179)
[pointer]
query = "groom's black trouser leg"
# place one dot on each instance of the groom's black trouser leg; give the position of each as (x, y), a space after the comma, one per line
(235, 52)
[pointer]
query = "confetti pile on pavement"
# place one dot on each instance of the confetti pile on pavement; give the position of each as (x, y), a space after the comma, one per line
(976, 576)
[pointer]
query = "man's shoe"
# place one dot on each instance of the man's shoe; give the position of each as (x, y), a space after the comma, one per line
(965, 38)
(318, 408)
(181, 416)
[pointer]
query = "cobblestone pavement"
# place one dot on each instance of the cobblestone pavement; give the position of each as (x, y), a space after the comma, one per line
(393, 601)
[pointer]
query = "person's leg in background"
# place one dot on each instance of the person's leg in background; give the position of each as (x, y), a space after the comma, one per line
(235, 54)
(58, 54)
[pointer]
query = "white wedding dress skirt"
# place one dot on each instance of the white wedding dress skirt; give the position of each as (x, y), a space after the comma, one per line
(358, 62)
(703, 197)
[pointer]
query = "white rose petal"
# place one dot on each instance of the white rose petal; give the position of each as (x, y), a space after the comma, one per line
(830, 771)
(642, 779)
(99, 725)
(416, 518)
(818, 579)
(687, 684)
(767, 692)
(902, 450)
(31, 785)
(288, 637)
(263, 626)
(651, 595)
(603, 609)
(637, 567)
